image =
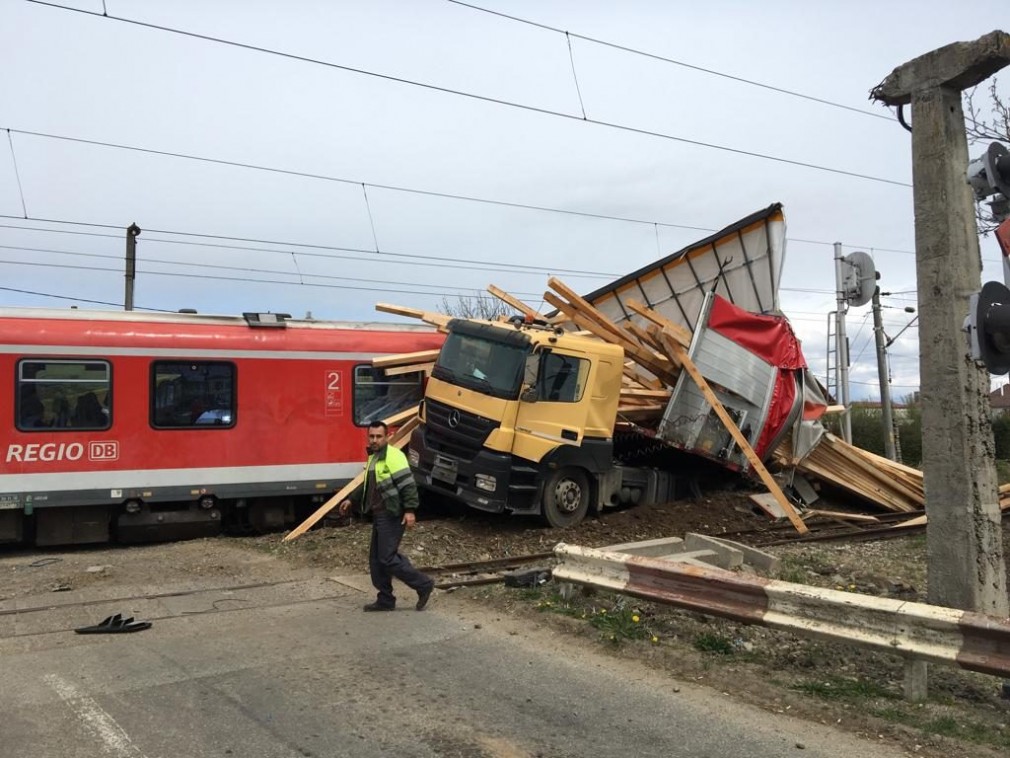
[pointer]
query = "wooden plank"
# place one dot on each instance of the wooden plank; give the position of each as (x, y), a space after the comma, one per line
(431, 317)
(581, 318)
(637, 376)
(667, 341)
(841, 515)
(645, 338)
(403, 359)
(678, 332)
(766, 502)
(640, 413)
(916, 521)
(402, 417)
(401, 370)
(737, 435)
(880, 460)
(657, 364)
(920, 520)
(398, 440)
(515, 303)
(587, 308)
(659, 394)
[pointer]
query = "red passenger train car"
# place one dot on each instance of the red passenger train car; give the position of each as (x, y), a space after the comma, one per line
(139, 427)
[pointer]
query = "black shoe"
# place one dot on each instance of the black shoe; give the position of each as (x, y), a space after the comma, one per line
(423, 595)
(377, 606)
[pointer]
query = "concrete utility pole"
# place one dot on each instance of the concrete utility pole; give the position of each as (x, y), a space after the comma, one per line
(965, 556)
(886, 416)
(132, 232)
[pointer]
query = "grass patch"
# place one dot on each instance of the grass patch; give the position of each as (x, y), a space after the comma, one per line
(796, 567)
(713, 643)
(844, 689)
(615, 624)
(620, 624)
(946, 726)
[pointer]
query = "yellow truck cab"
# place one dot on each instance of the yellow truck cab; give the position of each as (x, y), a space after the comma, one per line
(520, 418)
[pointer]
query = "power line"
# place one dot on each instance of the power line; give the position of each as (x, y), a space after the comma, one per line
(386, 290)
(77, 299)
(474, 96)
(368, 255)
(874, 384)
(356, 182)
(80, 254)
(436, 261)
(672, 61)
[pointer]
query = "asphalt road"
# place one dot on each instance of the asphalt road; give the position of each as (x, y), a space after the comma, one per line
(296, 669)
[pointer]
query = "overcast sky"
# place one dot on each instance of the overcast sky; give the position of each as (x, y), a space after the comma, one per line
(93, 78)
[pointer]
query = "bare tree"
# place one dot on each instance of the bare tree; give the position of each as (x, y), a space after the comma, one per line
(478, 306)
(985, 122)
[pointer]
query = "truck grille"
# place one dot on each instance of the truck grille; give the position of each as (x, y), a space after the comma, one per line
(464, 438)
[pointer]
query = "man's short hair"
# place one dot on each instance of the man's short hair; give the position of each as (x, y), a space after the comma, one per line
(379, 425)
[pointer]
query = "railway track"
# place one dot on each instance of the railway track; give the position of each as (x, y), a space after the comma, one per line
(824, 529)
(475, 573)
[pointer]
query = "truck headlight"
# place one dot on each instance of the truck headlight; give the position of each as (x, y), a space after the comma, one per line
(413, 457)
(485, 482)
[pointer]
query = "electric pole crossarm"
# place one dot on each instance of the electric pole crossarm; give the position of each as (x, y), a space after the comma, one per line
(957, 66)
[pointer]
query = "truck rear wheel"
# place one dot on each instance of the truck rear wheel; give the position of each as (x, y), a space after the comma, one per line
(566, 497)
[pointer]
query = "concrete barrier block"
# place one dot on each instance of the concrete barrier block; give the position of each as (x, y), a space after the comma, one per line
(651, 548)
(726, 555)
(759, 559)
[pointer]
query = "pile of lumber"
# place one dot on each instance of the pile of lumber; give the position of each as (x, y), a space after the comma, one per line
(873, 478)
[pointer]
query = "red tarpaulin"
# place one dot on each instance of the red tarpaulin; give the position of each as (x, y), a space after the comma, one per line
(770, 338)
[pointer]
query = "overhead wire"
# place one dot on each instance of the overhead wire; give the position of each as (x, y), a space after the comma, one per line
(77, 299)
(436, 261)
(345, 180)
(368, 255)
(475, 96)
(672, 61)
(298, 273)
(386, 290)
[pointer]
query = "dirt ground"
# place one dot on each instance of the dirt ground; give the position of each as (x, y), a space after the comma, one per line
(849, 686)
(828, 683)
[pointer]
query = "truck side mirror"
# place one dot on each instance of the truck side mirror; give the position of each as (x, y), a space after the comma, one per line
(529, 395)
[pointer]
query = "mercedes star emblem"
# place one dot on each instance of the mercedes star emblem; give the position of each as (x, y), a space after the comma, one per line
(453, 418)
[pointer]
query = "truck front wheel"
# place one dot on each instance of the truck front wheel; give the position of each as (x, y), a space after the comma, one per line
(566, 497)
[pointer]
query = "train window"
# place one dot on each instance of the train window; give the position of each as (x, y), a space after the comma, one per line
(377, 396)
(192, 395)
(63, 395)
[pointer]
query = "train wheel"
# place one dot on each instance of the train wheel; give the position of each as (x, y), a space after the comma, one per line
(566, 497)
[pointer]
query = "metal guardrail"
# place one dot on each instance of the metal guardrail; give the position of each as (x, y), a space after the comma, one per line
(915, 630)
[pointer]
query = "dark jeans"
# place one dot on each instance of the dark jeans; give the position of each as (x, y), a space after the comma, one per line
(385, 561)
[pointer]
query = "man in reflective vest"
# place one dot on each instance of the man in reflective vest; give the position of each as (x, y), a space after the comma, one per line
(389, 493)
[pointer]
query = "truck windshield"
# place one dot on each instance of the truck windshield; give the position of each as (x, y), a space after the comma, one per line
(489, 366)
